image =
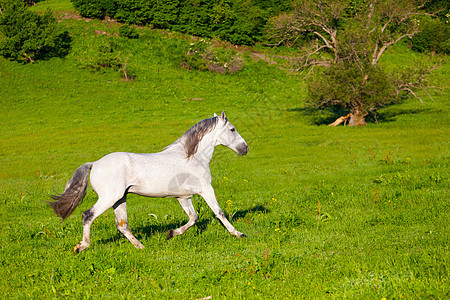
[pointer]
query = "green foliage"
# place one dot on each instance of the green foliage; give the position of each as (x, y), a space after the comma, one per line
(105, 56)
(133, 11)
(195, 18)
(29, 36)
(232, 20)
(245, 25)
(90, 8)
(128, 32)
(434, 36)
(347, 86)
(165, 13)
(203, 57)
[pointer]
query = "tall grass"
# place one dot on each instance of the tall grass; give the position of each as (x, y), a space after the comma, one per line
(329, 212)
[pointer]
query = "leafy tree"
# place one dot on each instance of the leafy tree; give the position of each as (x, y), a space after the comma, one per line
(350, 37)
(28, 36)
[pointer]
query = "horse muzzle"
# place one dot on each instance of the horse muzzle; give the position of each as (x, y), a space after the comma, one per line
(242, 149)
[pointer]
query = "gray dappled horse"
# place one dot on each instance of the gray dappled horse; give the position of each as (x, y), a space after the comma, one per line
(181, 170)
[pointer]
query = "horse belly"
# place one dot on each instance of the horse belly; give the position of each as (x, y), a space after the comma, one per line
(163, 186)
(163, 179)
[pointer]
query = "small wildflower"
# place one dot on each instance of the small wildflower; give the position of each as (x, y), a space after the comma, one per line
(224, 177)
(245, 180)
(229, 202)
(277, 229)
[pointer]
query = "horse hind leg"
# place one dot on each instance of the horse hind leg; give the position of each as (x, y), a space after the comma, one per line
(88, 217)
(186, 204)
(120, 210)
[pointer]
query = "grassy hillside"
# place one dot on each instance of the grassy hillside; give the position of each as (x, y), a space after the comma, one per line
(329, 212)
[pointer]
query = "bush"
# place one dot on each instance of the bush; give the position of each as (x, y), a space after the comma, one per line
(29, 36)
(434, 36)
(203, 57)
(107, 56)
(90, 8)
(128, 32)
(133, 11)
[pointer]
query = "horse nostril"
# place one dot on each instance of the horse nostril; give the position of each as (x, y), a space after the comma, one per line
(243, 150)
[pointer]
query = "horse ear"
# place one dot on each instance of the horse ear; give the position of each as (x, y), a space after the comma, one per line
(223, 115)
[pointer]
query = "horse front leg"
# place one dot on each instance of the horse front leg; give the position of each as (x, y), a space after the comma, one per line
(210, 198)
(186, 204)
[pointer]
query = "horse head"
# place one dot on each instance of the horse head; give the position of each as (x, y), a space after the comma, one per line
(228, 136)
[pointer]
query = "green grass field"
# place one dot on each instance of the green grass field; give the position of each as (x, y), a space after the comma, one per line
(359, 213)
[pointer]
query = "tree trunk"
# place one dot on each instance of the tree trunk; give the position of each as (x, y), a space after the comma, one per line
(357, 118)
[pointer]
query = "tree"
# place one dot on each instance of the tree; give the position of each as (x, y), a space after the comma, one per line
(28, 36)
(350, 37)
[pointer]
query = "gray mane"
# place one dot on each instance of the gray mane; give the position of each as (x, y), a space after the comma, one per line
(191, 138)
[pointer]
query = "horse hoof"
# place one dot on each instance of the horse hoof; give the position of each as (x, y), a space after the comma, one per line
(239, 234)
(75, 249)
(139, 246)
(169, 234)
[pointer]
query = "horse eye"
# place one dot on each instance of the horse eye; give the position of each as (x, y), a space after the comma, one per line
(233, 129)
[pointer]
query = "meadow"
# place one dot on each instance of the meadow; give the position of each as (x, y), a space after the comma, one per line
(330, 212)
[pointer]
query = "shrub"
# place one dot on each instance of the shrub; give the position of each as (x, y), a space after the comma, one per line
(107, 56)
(133, 11)
(90, 8)
(29, 36)
(434, 36)
(128, 32)
(203, 56)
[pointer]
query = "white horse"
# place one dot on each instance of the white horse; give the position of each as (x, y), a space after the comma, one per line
(181, 170)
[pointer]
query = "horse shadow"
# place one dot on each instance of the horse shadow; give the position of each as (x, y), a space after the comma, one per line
(241, 214)
(145, 231)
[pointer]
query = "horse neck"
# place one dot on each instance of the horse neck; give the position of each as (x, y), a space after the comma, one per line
(206, 147)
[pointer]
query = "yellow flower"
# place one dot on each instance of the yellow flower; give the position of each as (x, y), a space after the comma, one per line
(229, 202)
(245, 180)
(277, 229)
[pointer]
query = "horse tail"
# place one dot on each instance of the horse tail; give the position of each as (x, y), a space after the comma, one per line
(73, 194)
